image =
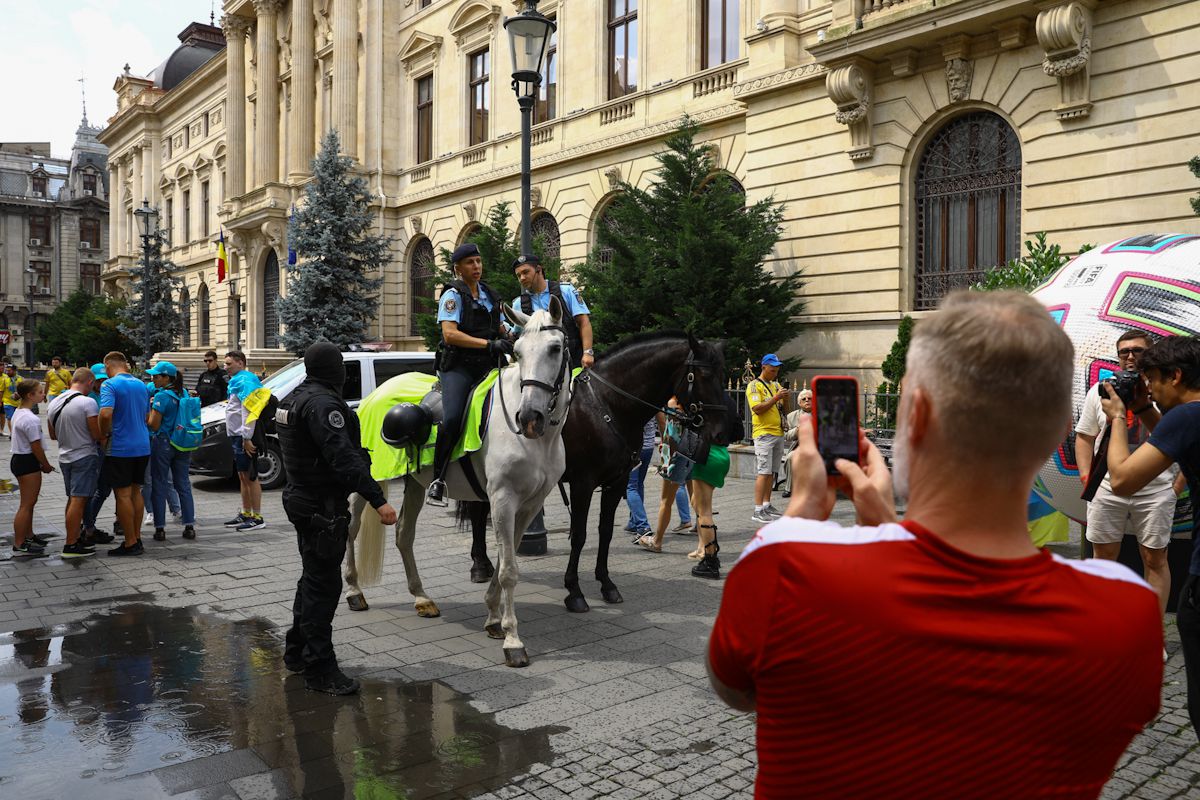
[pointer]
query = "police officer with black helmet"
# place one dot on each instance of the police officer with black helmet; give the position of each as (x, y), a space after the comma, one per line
(472, 344)
(325, 463)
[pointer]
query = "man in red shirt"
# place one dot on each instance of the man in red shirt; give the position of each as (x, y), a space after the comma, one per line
(944, 656)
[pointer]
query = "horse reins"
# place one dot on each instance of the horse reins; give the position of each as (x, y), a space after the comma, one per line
(555, 390)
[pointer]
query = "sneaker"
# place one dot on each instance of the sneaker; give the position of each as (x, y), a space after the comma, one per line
(189, 531)
(240, 519)
(118, 530)
(640, 532)
(251, 524)
(761, 517)
(177, 516)
(336, 682)
(709, 567)
(28, 548)
(160, 535)
(41, 539)
(96, 536)
(436, 494)
(77, 550)
(136, 550)
(772, 511)
(149, 520)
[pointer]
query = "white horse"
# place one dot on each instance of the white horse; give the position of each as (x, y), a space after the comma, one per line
(516, 468)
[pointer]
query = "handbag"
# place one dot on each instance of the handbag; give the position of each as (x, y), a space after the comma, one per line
(688, 443)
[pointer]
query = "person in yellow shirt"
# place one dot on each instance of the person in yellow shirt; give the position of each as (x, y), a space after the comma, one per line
(766, 399)
(8, 385)
(58, 378)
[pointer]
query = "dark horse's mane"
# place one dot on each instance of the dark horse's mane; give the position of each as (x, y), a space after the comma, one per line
(630, 342)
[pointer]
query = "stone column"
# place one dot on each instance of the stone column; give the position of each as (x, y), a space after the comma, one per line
(302, 124)
(148, 170)
(266, 127)
(345, 74)
(236, 29)
(114, 209)
(137, 178)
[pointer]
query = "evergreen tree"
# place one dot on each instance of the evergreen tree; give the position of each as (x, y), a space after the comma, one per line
(499, 247)
(54, 332)
(688, 253)
(1194, 166)
(332, 294)
(98, 332)
(156, 279)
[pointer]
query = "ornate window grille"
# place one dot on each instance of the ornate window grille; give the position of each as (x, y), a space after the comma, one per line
(420, 283)
(202, 314)
(185, 311)
(271, 301)
(968, 205)
(544, 226)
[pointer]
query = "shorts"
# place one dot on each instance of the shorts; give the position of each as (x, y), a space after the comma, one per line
(714, 470)
(80, 477)
(24, 464)
(768, 452)
(121, 472)
(678, 469)
(9, 411)
(1149, 518)
(243, 461)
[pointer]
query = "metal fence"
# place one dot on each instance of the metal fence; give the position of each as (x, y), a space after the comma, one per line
(877, 413)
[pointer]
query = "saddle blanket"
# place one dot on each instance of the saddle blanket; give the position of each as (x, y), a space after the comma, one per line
(389, 462)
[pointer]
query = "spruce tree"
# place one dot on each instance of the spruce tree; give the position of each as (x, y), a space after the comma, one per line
(332, 294)
(688, 253)
(156, 279)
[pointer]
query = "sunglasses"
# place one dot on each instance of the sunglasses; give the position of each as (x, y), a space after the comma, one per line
(1130, 351)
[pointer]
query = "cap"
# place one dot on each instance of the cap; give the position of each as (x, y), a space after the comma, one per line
(99, 372)
(163, 368)
(771, 360)
(522, 260)
(463, 251)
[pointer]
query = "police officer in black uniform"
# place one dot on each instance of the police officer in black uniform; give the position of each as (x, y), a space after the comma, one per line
(325, 462)
(472, 344)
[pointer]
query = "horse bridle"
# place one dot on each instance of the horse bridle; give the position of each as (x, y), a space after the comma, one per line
(554, 389)
(694, 415)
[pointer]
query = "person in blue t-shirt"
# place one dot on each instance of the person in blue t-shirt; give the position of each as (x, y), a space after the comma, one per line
(535, 296)
(169, 466)
(127, 447)
(1171, 368)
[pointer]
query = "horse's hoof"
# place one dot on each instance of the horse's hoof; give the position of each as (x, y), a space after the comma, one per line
(495, 630)
(576, 604)
(481, 573)
(516, 657)
(357, 602)
(612, 595)
(427, 608)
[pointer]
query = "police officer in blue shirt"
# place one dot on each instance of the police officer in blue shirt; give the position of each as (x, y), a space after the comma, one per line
(536, 295)
(472, 344)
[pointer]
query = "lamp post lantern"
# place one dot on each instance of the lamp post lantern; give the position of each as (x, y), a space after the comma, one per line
(147, 217)
(528, 34)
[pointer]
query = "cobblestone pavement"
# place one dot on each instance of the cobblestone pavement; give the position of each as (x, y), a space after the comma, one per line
(624, 686)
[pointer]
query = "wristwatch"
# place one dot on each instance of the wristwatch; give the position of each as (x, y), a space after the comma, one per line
(589, 352)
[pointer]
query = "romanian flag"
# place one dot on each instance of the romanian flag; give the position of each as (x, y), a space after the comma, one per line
(221, 257)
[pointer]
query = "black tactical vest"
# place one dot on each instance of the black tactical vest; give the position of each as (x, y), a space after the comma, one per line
(303, 460)
(570, 326)
(476, 321)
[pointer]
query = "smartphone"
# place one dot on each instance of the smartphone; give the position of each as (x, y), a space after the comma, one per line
(835, 418)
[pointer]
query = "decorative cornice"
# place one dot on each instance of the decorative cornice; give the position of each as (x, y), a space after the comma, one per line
(777, 79)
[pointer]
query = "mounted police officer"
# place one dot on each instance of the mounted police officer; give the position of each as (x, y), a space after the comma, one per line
(472, 344)
(536, 295)
(325, 462)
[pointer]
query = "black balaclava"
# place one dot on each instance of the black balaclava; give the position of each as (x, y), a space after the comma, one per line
(323, 364)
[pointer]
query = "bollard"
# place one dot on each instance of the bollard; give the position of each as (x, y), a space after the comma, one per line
(533, 541)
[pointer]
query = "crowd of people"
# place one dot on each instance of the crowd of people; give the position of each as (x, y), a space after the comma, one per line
(127, 438)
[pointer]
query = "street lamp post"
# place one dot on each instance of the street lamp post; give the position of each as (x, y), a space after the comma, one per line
(528, 34)
(30, 327)
(147, 217)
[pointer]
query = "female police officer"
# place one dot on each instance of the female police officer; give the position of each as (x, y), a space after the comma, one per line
(469, 316)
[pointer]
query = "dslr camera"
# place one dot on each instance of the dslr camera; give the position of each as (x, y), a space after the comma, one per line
(1124, 384)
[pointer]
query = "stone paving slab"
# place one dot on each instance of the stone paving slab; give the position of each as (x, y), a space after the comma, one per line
(625, 684)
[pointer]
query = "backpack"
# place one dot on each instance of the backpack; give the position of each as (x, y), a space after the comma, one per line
(188, 431)
(265, 424)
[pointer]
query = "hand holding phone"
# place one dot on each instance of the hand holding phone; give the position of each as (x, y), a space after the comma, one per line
(835, 419)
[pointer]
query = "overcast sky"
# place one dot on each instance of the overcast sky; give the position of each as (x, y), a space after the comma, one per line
(49, 44)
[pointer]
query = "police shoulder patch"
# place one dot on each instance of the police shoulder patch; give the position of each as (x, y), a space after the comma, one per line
(336, 420)
(451, 305)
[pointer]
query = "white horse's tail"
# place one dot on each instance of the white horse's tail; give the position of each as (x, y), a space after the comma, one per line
(369, 553)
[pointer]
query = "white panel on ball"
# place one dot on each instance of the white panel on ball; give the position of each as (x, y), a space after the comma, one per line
(1149, 283)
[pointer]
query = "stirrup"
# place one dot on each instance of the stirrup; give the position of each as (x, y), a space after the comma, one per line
(436, 493)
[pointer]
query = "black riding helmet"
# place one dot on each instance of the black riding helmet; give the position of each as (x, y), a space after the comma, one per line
(405, 424)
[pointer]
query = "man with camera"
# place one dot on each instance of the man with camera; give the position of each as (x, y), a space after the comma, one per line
(1172, 370)
(1148, 514)
(926, 644)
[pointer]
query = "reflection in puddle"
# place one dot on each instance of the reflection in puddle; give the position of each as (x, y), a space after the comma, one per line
(148, 690)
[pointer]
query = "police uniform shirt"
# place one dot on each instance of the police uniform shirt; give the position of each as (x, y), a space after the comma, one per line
(541, 300)
(451, 305)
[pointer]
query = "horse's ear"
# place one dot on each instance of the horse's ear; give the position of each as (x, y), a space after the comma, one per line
(556, 310)
(694, 343)
(514, 316)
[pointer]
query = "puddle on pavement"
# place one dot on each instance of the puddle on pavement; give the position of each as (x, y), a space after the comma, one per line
(146, 690)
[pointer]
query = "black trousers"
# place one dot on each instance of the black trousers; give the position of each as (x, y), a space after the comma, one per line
(456, 383)
(1187, 619)
(309, 642)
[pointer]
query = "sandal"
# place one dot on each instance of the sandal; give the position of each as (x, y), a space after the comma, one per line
(647, 543)
(696, 555)
(684, 528)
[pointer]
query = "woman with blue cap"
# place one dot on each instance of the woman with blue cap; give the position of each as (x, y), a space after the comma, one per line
(169, 465)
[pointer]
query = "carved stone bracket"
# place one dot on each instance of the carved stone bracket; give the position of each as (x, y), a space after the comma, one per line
(960, 70)
(535, 197)
(1065, 33)
(469, 209)
(415, 222)
(850, 87)
(613, 174)
(272, 231)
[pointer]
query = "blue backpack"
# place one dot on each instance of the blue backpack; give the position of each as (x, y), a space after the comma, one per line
(188, 431)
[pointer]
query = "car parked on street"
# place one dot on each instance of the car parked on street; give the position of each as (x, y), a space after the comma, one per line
(364, 371)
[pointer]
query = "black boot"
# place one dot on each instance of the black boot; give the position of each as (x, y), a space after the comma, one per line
(709, 566)
(437, 493)
(336, 682)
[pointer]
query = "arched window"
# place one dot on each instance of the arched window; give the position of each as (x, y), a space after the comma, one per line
(270, 287)
(420, 283)
(968, 198)
(545, 226)
(185, 311)
(202, 316)
(604, 254)
(469, 230)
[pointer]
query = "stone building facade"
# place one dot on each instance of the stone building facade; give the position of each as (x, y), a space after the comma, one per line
(914, 142)
(53, 232)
